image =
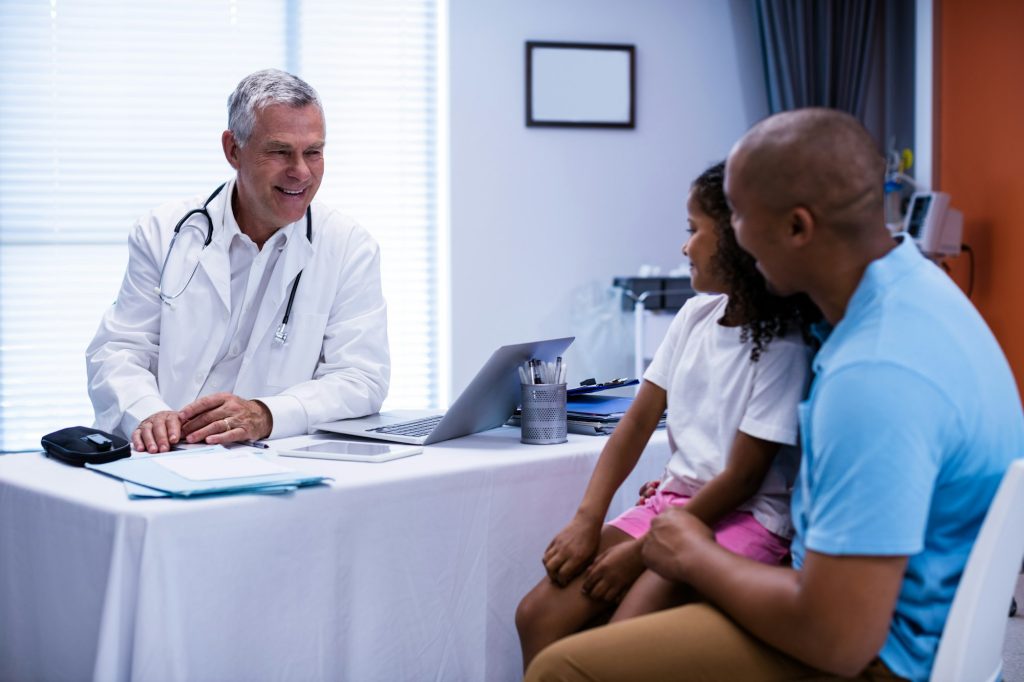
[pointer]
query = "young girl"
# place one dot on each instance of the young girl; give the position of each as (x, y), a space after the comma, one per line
(731, 371)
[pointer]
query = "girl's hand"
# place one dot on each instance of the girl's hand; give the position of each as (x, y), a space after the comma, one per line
(571, 550)
(646, 490)
(614, 572)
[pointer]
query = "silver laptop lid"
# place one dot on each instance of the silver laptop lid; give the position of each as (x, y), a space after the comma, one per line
(486, 403)
(493, 394)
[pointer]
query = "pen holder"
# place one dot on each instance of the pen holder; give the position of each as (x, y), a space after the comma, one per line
(543, 420)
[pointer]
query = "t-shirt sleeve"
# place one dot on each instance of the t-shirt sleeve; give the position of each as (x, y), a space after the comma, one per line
(659, 372)
(780, 381)
(876, 434)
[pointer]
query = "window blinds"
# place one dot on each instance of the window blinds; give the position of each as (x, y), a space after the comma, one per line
(110, 108)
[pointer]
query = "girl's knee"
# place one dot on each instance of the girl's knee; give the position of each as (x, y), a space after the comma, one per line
(530, 612)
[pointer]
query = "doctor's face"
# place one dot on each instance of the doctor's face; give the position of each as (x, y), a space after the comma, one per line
(279, 168)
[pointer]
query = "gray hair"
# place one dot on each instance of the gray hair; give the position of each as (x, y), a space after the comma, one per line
(261, 89)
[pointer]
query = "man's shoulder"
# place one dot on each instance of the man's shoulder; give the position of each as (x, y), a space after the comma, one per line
(334, 223)
(165, 216)
(339, 233)
(924, 342)
(925, 324)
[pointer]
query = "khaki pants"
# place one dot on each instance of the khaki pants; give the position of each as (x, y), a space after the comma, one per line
(696, 643)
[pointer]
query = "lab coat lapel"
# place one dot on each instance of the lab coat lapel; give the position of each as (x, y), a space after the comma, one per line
(216, 265)
(297, 254)
(214, 260)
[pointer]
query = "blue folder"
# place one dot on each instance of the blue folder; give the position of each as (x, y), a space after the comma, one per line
(148, 472)
(597, 406)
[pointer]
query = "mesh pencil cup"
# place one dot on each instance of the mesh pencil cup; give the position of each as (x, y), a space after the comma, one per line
(543, 421)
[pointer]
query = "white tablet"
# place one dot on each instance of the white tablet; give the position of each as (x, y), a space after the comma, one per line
(351, 451)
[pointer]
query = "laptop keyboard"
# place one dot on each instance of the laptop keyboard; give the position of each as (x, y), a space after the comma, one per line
(414, 428)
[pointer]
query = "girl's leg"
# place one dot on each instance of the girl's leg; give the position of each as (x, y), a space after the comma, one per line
(549, 612)
(652, 593)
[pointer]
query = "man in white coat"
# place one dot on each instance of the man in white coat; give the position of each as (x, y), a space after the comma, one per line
(225, 342)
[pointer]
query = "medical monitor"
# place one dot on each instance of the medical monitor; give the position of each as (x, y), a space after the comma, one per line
(937, 228)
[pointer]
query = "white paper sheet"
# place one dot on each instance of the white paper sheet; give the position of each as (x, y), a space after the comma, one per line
(209, 466)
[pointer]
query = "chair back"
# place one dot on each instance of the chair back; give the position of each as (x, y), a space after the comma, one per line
(971, 648)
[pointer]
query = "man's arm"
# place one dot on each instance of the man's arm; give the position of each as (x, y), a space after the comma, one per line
(833, 614)
(122, 357)
(352, 376)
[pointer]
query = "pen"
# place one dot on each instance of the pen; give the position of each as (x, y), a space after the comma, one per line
(255, 444)
(535, 365)
(558, 369)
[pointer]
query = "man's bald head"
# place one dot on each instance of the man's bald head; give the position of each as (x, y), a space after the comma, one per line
(821, 159)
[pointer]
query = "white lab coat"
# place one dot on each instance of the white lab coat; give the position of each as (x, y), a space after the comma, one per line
(149, 356)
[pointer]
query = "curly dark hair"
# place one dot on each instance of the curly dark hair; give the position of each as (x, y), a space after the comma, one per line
(763, 316)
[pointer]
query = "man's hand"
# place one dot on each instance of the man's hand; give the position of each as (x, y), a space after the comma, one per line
(675, 537)
(571, 549)
(614, 571)
(225, 418)
(646, 490)
(158, 432)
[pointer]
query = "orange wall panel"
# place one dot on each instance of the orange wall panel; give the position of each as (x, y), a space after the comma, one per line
(979, 126)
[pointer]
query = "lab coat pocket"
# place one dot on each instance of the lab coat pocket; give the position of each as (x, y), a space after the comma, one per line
(295, 360)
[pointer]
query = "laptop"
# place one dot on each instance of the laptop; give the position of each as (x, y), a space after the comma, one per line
(488, 401)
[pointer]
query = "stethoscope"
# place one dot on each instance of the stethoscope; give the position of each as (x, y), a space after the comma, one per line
(281, 335)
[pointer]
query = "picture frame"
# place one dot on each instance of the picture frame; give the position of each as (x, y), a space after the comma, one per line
(580, 85)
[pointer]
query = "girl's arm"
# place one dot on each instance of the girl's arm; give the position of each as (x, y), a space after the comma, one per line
(575, 545)
(749, 460)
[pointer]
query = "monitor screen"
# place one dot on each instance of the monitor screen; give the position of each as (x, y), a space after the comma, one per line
(918, 214)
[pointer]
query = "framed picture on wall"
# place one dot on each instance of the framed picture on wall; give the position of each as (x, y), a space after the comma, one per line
(580, 85)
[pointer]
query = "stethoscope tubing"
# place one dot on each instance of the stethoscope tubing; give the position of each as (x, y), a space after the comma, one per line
(166, 298)
(282, 333)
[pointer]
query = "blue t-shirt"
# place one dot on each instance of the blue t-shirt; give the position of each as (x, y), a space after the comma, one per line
(912, 420)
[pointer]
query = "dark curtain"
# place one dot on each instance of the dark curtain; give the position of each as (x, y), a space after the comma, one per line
(818, 52)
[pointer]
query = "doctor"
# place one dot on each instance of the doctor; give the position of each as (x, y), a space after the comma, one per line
(208, 359)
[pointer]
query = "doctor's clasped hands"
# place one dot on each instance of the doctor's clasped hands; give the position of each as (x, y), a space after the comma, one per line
(215, 419)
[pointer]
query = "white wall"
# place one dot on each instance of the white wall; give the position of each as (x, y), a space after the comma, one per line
(543, 218)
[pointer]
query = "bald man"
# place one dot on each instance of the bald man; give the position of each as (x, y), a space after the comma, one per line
(910, 424)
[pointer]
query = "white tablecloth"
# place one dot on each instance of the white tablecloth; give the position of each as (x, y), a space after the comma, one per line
(403, 570)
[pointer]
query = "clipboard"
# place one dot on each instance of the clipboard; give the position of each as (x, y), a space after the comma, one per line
(594, 388)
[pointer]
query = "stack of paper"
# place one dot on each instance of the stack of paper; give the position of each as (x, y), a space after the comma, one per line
(204, 471)
(597, 414)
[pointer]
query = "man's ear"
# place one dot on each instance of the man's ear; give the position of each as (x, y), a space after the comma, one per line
(802, 226)
(227, 140)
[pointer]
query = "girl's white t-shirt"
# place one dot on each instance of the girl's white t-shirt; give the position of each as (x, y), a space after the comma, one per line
(715, 390)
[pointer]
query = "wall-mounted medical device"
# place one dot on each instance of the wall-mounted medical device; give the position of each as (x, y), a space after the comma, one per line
(937, 228)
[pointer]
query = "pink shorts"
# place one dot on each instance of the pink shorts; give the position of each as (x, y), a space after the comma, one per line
(738, 532)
